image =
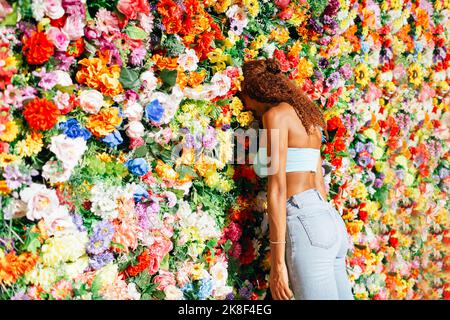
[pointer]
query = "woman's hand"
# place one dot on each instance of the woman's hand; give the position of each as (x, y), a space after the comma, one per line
(279, 283)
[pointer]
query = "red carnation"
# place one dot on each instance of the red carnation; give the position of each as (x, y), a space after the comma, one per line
(41, 114)
(37, 48)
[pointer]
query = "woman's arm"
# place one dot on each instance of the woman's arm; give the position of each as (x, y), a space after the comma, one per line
(320, 183)
(277, 145)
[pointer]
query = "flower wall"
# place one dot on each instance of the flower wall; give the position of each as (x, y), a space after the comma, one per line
(95, 96)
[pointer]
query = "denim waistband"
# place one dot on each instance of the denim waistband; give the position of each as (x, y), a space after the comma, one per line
(307, 198)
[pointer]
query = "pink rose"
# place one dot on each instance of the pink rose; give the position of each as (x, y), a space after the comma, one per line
(74, 27)
(135, 129)
(134, 143)
(282, 4)
(91, 101)
(5, 9)
(53, 9)
(59, 38)
(131, 8)
(164, 278)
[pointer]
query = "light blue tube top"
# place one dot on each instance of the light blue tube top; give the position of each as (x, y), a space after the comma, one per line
(298, 159)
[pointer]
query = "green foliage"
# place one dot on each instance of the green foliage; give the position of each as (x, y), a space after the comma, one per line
(129, 78)
(317, 7)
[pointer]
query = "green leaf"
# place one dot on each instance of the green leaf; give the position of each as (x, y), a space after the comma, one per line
(135, 32)
(165, 262)
(32, 243)
(140, 152)
(129, 78)
(96, 285)
(169, 77)
(10, 19)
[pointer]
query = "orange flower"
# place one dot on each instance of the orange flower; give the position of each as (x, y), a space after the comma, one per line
(104, 122)
(12, 266)
(165, 62)
(41, 114)
(37, 48)
(196, 78)
(165, 171)
(4, 187)
(97, 75)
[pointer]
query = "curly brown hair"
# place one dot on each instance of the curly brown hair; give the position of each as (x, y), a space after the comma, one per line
(265, 82)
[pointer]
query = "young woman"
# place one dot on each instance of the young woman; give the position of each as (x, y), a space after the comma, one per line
(308, 237)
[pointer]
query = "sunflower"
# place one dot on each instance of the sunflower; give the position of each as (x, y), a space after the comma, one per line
(362, 75)
(415, 75)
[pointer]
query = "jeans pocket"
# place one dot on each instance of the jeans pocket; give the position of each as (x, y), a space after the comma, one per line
(321, 228)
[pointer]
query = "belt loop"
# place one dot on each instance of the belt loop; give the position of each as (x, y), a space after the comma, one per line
(296, 202)
(320, 196)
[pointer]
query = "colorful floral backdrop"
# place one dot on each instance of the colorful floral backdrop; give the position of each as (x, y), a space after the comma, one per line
(95, 95)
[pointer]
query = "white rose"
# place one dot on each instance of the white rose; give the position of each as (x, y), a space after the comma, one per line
(41, 202)
(68, 151)
(133, 111)
(135, 129)
(173, 293)
(53, 9)
(38, 9)
(149, 80)
(64, 78)
(221, 83)
(91, 101)
(60, 222)
(222, 292)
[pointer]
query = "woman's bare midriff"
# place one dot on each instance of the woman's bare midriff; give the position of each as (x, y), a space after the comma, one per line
(299, 181)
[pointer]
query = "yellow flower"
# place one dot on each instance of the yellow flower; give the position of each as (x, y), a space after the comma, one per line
(236, 106)
(362, 75)
(245, 118)
(222, 5)
(280, 34)
(258, 42)
(104, 157)
(252, 7)
(304, 69)
(216, 55)
(32, 144)
(7, 159)
(296, 48)
(10, 132)
(212, 179)
(415, 74)
(197, 271)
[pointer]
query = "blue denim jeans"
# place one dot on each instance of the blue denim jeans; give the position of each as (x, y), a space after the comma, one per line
(316, 247)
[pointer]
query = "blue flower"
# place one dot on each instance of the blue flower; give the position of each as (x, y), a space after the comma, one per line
(113, 139)
(139, 193)
(73, 129)
(138, 166)
(206, 288)
(154, 111)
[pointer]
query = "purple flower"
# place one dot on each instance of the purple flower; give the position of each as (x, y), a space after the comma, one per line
(131, 95)
(209, 140)
(439, 54)
(78, 221)
(100, 260)
(229, 296)
(363, 161)
(64, 60)
(246, 292)
(378, 183)
(332, 8)
(346, 71)
(443, 173)
(359, 147)
(352, 152)
(370, 147)
(400, 174)
(21, 295)
(141, 212)
(97, 245)
(48, 79)
(16, 178)
(137, 56)
(315, 26)
(104, 229)
(323, 63)
(332, 80)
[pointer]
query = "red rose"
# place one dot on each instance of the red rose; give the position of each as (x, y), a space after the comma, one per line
(37, 48)
(41, 114)
(282, 4)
